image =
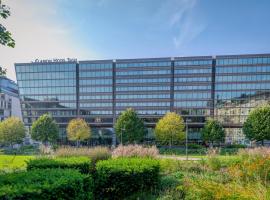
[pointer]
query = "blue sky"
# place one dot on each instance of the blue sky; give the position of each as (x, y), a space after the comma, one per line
(114, 29)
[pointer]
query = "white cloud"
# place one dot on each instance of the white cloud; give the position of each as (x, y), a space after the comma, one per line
(186, 22)
(38, 34)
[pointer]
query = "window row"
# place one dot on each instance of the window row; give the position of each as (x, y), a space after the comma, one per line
(142, 72)
(147, 112)
(95, 97)
(243, 61)
(96, 82)
(243, 86)
(144, 80)
(95, 74)
(95, 105)
(194, 112)
(47, 105)
(144, 64)
(251, 77)
(46, 68)
(242, 69)
(236, 106)
(47, 83)
(147, 88)
(95, 89)
(142, 104)
(49, 98)
(194, 95)
(51, 112)
(193, 79)
(193, 71)
(48, 90)
(96, 112)
(238, 94)
(46, 75)
(192, 87)
(96, 66)
(142, 96)
(193, 62)
(191, 104)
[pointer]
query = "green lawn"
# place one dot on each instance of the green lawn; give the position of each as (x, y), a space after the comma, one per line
(11, 162)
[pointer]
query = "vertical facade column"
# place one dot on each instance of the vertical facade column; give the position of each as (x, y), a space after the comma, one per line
(77, 90)
(172, 86)
(213, 86)
(114, 99)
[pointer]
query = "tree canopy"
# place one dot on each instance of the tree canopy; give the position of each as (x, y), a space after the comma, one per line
(170, 128)
(129, 127)
(45, 129)
(5, 36)
(78, 130)
(12, 131)
(213, 132)
(257, 125)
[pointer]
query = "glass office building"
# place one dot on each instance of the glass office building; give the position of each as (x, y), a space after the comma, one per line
(223, 87)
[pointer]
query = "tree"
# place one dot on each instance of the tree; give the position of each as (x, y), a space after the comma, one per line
(5, 36)
(12, 131)
(129, 127)
(45, 129)
(3, 71)
(257, 125)
(170, 128)
(78, 130)
(213, 132)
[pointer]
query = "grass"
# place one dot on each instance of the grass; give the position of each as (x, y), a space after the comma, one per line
(13, 163)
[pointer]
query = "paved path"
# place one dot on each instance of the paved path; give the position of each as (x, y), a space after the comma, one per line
(178, 157)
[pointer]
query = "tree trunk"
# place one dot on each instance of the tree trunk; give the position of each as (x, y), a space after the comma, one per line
(262, 142)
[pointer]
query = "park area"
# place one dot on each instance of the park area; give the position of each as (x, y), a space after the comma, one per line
(135, 172)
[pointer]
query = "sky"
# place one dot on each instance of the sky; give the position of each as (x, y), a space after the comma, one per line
(120, 29)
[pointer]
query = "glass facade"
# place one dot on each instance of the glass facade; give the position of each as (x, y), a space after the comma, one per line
(47, 88)
(223, 87)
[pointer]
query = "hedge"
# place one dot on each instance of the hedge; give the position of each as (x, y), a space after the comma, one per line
(46, 184)
(117, 178)
(83, 164)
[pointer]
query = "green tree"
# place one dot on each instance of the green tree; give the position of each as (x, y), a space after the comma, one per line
(170, 128)
(129, 127)
(12, 131)
(45, 129)
(3, 71)
(5, 36)
(213, 132)
(257, 125)
(78, 130)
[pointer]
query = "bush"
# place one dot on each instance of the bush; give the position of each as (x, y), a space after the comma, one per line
(135, 151)
(95, 153)
(117, 178)
(46, 184)
(83, 164)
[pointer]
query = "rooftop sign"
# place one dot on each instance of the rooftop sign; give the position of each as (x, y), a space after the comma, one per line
(55, 60)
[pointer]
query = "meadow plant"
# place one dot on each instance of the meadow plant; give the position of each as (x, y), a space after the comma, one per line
(94, 153)
(135, 151)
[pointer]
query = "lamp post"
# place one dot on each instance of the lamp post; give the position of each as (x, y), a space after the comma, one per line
(187, 120)
(122, 129)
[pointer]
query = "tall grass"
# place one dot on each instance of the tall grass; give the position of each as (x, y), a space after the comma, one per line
(94, 153)
(135, 151)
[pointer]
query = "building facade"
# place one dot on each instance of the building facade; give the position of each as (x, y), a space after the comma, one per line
(223, 87)
(9, 99)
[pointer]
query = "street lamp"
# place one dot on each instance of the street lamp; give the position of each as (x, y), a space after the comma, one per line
(187, 120)
(122, 129)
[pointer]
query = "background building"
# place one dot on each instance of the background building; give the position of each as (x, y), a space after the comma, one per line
(222, 87)
(9, 99)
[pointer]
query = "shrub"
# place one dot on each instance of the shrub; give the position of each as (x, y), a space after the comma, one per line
(120, 177)
(83, 164)
(46, 184)
(135, 151)
(95, 153)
